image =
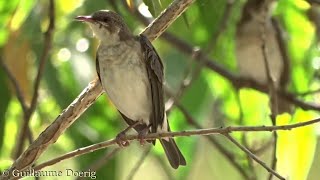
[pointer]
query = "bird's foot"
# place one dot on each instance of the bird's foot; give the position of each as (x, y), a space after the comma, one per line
(142, 135)
(121, 140)
(121, 137)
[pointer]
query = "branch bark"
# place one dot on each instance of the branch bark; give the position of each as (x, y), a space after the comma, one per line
(204, 132)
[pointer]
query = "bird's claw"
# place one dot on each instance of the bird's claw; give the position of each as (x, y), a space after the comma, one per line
(121, 140)
(142, 135)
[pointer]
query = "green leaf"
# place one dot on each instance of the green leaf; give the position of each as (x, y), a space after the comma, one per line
(296, 148)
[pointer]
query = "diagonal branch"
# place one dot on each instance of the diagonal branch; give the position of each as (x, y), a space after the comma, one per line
(227, 154)
(15, 85)
(254, 157)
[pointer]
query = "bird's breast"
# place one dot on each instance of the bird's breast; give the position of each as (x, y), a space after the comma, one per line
(125, 80)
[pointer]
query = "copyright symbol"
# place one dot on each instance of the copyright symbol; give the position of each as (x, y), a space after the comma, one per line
(5, 173)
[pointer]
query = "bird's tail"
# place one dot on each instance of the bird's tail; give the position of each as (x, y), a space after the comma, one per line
(173, 153)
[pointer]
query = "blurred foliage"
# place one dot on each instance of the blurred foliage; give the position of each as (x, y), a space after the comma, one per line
(211, 99)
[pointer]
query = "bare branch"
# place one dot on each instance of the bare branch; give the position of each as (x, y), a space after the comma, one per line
(15, 85)
(273, 97)
(151, 136)
(285, 74)
(227, 154)
(254, 157)
(309, 92)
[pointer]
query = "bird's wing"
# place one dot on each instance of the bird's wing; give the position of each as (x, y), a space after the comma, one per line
(155, 73)
(98, 68)
(130, 122)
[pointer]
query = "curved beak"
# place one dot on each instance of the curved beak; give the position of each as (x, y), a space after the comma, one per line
(84, 18)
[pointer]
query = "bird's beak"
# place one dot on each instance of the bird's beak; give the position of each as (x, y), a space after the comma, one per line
(84, 18)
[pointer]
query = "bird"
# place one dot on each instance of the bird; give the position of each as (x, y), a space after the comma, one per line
(131, 73)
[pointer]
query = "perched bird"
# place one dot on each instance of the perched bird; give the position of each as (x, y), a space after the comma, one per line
(131, 73)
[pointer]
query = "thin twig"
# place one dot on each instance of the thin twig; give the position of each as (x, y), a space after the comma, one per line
(135, 169)
(189, 77)
(20, 97)
(265, 146)
(285, 74)
(271, 83)
(47, 46)
(15, 85)
(310, 92)
(197, 132)
(254, 157)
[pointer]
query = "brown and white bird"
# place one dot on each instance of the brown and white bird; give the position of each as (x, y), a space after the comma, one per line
(131, 72)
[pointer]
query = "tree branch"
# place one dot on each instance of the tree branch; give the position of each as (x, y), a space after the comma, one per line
(15, 85)
(227, 154)
(151, 136)
(254, 157)
(273, 98)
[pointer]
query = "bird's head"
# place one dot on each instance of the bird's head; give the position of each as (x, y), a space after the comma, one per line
(107, 26)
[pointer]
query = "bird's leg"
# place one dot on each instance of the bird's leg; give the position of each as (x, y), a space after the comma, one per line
(142, 134)
(120, 138)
